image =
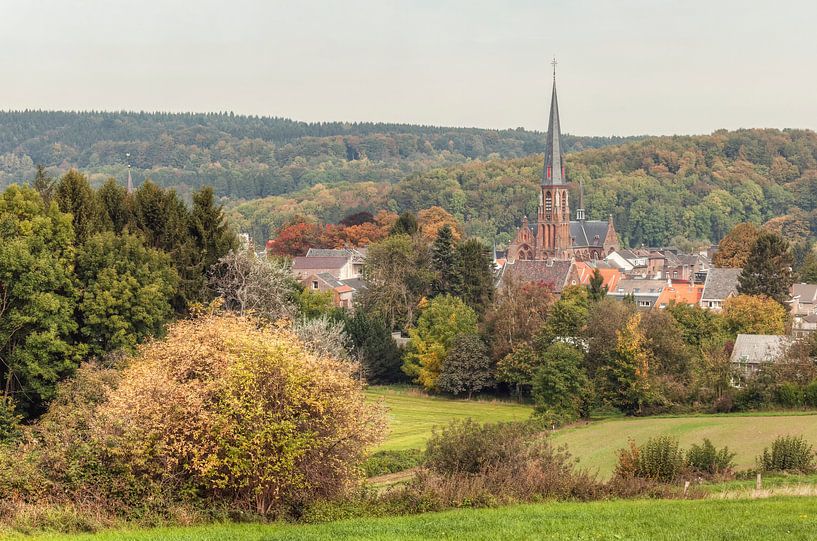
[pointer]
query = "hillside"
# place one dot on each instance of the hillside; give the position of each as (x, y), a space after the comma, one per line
(659, 190)
(245, 156)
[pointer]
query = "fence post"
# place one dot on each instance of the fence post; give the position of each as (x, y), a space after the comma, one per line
(758, 482)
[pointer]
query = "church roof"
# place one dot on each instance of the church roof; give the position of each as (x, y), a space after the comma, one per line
(553, 273)
(584, 233)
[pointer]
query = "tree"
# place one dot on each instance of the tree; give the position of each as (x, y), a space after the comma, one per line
(444, 320)
(567, 318)
(596, 289)
(38, 295)
(807, 273)
(375, 348)
(473, 275)
(406, 224)
(466, 367)
(295, 240)
(431, 220)
(518, 368)
(44, 184)
(734, 248)
(113, 205)
(250, 285)
(518, 312)
(665, 344)
(768, 269)
(628, 375)
(398, 275)
(313, 303)
(442, 261)
(126, 291)
(699, 327)
(604, 322)
(749, 314)
(560, 385)
(75, 196)
(212, 237)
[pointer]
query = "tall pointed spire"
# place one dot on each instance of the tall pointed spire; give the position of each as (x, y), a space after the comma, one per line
(554, 170)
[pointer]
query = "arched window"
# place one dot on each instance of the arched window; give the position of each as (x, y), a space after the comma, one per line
(548, 205)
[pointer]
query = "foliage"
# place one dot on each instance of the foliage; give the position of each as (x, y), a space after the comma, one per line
(560, 385)
(313, 303)
(375, 349)
(39, 298)
(735, 247)
(810, 394)
(126, 291)
(768, 269)
(323, 337)
(385, 462)
(518, 312)
(788, 454)
(466, 367)
(518, 368)
(74, 196)
(431, 220)
(707, 459)
(658, 459)
(473, 275)
(628, 376)
(406, 224)
(788, 395)
(397, 273)
(442, 260)
(596, 290)
(250, 285)
(10, 421)
(749, 314)
(568, 316)
(444, 320)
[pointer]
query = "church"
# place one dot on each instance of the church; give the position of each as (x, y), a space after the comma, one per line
(554, 236)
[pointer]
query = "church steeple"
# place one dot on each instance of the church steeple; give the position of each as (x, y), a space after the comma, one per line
(554, 171)
(130, 179)
(580, 215)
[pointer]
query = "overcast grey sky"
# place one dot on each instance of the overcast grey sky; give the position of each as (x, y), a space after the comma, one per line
(625, 67)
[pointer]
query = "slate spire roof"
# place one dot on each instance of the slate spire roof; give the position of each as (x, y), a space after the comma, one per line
(554, 171)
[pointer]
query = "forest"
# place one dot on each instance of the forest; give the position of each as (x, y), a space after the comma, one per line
(245, 156)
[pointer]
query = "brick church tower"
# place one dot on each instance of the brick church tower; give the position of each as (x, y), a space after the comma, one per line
(553, 220)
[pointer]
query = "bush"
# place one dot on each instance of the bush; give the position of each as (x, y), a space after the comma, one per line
(223, 413)
(9, 421)
(788, 454)
(707, 460)
(385, 462)
(810, 394)
(469, 447)
(788, 395)
(659, 459)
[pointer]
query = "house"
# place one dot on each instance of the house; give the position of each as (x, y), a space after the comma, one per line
(630, 261)
(557, 274)
(343, 291)
(644, 292)
(610, 275)
(720, 284)
(803, 299)
(802, 326)
(751, 351)
(680, 293)
(356, 255)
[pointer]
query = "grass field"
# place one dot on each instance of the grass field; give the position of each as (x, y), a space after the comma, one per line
(595, 444)
(775, 518)
(412, 413)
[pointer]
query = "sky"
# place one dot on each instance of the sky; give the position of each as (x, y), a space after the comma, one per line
(625, 67)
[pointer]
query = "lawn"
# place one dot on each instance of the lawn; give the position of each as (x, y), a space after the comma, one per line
(595, 444)
(775, 518)
(412, 413)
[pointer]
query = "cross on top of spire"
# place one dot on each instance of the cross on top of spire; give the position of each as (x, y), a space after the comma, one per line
(554, 63)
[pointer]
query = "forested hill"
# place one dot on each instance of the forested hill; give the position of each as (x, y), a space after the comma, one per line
(659, 190)
(246, 156)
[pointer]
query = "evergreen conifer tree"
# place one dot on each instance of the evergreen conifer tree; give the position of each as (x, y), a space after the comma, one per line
(768, 268)
(442, 260)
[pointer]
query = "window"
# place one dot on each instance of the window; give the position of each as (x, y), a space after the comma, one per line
(644, 304)
(675, 274)
(314, 284)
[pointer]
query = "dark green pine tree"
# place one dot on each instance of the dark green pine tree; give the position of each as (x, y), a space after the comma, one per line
(442, 261)
(768, 268)
(74, 195)
(406, 224)
(378, 353)
(44, 184)
(112, 201)
(596, 289)
(473, 275)
(212, 236)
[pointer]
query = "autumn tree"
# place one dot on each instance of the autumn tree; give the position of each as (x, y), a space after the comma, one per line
(604, 321)
(768, 269)
(295, 240)
(431, 220)
(734, 248)
(473, 275)
(628, 375)
(517, 313)
(567, 318)
(749, 314)
(596, 288)
(445, 319)
(398, 275)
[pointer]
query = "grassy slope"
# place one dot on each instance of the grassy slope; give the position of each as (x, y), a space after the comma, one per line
(412, 413)
(777, 518)
(596, 443)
